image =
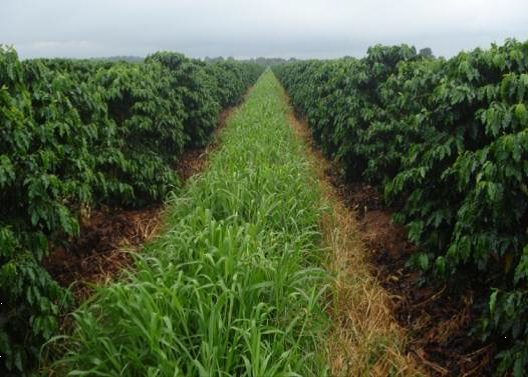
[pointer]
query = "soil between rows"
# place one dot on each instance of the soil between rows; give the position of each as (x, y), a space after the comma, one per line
(437, 320)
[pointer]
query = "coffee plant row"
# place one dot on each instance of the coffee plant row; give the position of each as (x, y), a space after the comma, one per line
(79, 134)
(447, 143)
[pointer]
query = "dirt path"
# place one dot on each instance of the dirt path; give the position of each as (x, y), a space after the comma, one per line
(365, 340)
(109, 234)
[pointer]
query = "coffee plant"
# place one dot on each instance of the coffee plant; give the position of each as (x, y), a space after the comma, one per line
(79, 133)
(446, 141)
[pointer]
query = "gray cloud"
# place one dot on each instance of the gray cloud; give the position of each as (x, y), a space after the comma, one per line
(302, 28)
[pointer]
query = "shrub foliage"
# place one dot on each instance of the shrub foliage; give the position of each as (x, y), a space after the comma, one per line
(76, 134)
(446, 141)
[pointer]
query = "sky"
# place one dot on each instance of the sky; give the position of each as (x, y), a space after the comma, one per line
(250, 28)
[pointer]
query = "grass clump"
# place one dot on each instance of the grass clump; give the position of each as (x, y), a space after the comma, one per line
(233, 286)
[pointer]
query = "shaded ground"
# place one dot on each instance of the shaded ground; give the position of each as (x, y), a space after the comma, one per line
(100, 251)
(99, 254)
(438, 321)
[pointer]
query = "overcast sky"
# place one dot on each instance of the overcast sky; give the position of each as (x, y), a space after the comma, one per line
(251, 28)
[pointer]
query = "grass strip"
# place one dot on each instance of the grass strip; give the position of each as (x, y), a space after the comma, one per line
(233, 286)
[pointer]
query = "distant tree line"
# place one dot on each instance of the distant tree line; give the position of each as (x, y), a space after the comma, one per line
(260, 60)
(128, 59)
(425, 52)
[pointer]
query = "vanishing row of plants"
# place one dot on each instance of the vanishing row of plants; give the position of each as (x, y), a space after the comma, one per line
(447, 143)
(231, 287)
(79, 134)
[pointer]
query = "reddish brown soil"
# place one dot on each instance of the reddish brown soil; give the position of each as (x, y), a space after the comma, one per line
(108, 235)
(438, 321)
(99, 253)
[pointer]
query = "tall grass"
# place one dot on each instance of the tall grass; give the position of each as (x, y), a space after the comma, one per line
(233, 286)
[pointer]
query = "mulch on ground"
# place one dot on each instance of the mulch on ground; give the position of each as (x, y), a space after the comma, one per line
(438, 320)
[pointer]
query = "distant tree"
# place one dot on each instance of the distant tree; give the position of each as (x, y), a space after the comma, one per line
(426, 52)
(129, 59)
(208, 59)
(270, 61)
